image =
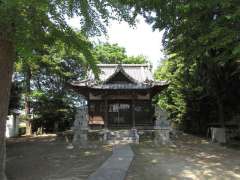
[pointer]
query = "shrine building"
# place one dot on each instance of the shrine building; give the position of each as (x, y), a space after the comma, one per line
(121, 97)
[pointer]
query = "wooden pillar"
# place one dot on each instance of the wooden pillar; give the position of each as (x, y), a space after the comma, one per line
(106, 113)
(133, 113)
(152, 112)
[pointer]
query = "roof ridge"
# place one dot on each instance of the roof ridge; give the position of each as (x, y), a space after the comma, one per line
(131, 65)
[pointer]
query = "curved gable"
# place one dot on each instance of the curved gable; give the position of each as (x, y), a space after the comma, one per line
(120, 76)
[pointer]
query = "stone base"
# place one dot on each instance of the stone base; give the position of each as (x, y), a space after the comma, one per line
(162, 137)
(80, 138)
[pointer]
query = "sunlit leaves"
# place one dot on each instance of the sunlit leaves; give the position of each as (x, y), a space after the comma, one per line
(33, 24)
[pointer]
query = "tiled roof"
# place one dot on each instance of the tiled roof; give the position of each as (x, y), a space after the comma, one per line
(129, 86)
(121, 86)
(139, 72)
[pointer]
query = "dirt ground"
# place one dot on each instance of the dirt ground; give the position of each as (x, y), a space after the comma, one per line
(47, 158)
(189, 158)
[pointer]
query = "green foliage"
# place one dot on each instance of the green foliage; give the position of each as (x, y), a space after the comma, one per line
(140, 59)
(114, 54)
(31, 24)
(192, 97)
(51, 109)
(205, 35)
(172, 98)
(51, 100)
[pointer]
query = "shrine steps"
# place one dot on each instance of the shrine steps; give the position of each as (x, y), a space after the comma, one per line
(122, 137)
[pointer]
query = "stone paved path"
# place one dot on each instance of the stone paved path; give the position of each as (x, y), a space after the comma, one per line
(116, 166)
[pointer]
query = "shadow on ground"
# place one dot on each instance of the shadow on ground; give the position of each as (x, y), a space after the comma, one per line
(189, 158)
(45, 158)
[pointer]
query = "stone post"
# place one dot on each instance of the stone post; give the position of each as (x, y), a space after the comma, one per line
(162, 127)
(80, 127)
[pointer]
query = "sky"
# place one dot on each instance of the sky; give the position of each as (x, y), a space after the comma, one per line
(139, 40)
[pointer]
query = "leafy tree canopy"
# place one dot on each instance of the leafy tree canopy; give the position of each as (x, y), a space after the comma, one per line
(204, 36)
(33, 24)
(114, 54)
(195, 28)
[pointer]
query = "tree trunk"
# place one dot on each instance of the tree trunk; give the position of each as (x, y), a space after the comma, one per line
(7, 54)
(29, 127)
(28, 76)
(56, 126)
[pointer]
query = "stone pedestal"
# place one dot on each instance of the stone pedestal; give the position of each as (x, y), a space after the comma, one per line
(80, 137)
(218, 135)
(106, 134)
(134, 136)
(162, 137)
